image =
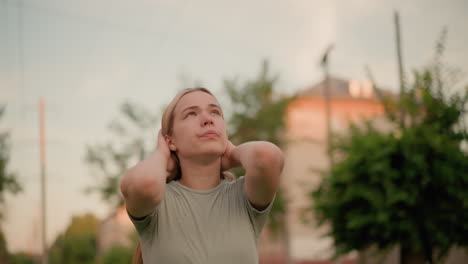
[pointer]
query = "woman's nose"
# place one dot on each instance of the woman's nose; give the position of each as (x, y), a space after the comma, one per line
(207, 120)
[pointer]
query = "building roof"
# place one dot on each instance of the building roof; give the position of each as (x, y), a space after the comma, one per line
(340, 89)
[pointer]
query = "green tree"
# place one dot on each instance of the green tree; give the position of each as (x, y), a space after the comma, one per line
(257, 113)
(118, 254)
(78, 244)
(4, 255)
(404, 187)
(8, 182)
(132, 137)
(23, 258)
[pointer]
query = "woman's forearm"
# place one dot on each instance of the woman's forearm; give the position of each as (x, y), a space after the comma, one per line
(263, 163)
(257, 155)
(144, 184)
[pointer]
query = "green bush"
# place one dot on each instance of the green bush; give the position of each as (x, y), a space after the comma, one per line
(117, 255)
(405, 187)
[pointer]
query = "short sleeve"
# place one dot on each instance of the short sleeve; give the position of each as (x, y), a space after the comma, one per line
(145, 226)
(257, 218)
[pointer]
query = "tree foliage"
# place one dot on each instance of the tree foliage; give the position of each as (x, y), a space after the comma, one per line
(8, 183)
(132, 137)
(258, 114)
(406, 186)
(118, 254)
(78, 244)
(8, 179)
(23, 258)
(4, 255)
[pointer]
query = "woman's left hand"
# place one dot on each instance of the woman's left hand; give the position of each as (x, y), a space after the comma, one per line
(227, 161)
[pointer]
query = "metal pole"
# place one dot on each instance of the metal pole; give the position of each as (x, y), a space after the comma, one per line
(328, 112)
(327, 96)
(43, 178)
(400, 65)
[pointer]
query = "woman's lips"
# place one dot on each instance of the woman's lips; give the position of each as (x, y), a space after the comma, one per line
(209, 133)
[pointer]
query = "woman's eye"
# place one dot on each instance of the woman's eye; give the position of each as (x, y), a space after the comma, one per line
(191, 114)
(216, 112)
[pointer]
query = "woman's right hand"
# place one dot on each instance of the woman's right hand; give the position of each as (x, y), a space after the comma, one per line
(162, 145)
(163, 148)
(144, 184)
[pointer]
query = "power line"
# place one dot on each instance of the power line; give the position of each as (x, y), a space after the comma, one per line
(20, 49)
(81, 18)
(163, 36)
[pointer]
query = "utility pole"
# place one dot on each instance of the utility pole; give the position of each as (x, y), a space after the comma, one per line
(400, 65)
(42, 145)
(327, 96)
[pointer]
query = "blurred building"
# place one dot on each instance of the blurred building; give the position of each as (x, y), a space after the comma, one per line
(305, 151)
(116, 229)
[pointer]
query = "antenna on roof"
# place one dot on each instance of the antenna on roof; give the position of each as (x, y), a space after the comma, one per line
(324, 64)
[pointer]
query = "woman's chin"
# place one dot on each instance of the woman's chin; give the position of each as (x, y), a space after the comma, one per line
(212, 147)
(215, 150)
(212, 151)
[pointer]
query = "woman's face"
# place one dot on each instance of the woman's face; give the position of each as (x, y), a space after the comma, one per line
(198, 127)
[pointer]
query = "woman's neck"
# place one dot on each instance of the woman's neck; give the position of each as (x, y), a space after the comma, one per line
(200, 176)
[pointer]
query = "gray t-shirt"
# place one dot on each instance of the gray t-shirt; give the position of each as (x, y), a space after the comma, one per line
(202, 227)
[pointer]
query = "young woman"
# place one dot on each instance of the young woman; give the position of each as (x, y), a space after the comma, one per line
(179, 199)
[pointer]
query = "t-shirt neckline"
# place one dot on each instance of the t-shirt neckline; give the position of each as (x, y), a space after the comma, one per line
(200, 191)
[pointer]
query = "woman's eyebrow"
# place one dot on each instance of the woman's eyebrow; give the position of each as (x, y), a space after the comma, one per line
(215, 106)
(194, 107)
(190, 108)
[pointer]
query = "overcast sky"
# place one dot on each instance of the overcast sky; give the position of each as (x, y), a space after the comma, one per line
(86, 57)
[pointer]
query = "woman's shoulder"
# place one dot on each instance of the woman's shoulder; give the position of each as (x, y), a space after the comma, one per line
(235, 185)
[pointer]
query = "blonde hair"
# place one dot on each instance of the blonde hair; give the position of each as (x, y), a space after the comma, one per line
(167, 124)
